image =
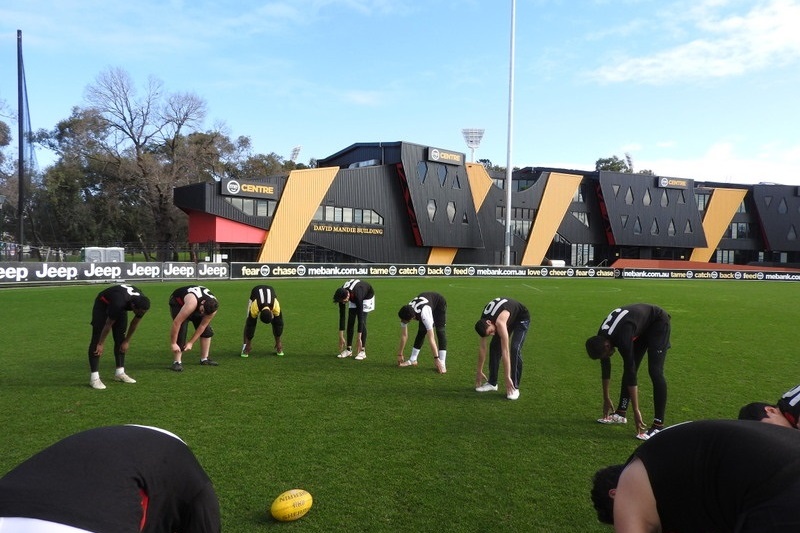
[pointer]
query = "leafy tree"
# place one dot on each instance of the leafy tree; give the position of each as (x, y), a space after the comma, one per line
(615, 164)
(612, 164)
(124, 153)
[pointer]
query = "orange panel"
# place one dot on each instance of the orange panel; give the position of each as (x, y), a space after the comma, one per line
(719, 213)
(557, 197)
(479, 183)
(442, 256)
(302, 195)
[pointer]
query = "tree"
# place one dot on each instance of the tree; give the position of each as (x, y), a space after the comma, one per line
(612, 164)
(615, 164)
(145, 145)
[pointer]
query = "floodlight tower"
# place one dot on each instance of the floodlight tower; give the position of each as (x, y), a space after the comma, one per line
(473, 137)
(295, 153)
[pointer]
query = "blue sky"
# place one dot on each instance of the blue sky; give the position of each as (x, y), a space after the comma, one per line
(701, 89)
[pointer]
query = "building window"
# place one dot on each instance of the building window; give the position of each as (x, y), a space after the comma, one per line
(247, 206)
(582, 217)
(441, 171)
(422, 170)
(431, 209)
(702, 201)
(725, 257)
(348, 215)
(629, 197)
(646, 198)
(451, 211)
(521, 220)
(738, 230)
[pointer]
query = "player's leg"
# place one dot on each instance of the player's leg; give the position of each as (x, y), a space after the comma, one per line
(277, 332)
(98, 321)
(516, 342)
(656, 357)
(119, 331)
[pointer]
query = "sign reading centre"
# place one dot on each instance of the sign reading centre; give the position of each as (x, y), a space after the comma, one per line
(248, 189)
(672, 183)
(443, 156)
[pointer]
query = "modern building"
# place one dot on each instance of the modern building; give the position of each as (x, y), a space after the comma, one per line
(400, 202)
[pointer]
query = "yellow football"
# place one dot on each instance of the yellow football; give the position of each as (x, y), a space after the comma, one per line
(291, 505)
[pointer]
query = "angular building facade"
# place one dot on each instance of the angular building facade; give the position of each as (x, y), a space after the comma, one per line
(400, 202)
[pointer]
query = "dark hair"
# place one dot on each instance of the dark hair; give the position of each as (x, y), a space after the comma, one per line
(596, 347)
(480, 327)
(266, 315)
(210, 305)
(604, 480)
(340, 294)
(140, 302)
(406, 313)
(754, 411)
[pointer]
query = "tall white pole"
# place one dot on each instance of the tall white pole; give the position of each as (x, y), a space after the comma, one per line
(509, 167)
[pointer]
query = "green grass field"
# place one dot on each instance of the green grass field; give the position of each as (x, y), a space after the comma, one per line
(385, 449)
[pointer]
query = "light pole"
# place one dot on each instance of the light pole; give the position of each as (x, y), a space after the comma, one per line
(472, 136)
(507, 252)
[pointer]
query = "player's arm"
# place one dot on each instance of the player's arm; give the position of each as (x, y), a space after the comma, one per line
(635, 508)
(250, 322)
(479, 375)
(342, 341)
(131, 329)
(403, 341)
(431, 335)
(426, 319)
(103, 335)
(200, 329)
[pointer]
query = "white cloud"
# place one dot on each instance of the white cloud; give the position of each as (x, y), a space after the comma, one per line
(724, 45)
(721, 162)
